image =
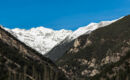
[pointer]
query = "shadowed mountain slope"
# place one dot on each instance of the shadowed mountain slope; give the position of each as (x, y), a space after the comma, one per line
(56, 52)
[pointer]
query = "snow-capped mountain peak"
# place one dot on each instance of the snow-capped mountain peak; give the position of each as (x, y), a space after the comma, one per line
(40, 38)
(41, 28)
(44, 39)
(89, 28)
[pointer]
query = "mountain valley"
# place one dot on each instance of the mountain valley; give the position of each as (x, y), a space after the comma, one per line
(99, 51)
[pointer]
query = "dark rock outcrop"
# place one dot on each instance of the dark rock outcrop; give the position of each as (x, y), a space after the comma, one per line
(20, 62)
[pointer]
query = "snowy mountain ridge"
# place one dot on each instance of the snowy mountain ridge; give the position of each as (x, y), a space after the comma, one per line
(89, 28)
(41, 39)
(44, 39)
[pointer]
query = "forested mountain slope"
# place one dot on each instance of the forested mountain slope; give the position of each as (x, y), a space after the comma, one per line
(20, 62)
(91, 52)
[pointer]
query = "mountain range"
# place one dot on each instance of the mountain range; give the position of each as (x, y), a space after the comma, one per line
(44, 39)
(99, 51)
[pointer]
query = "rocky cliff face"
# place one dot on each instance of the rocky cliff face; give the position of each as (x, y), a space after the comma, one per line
(119, 70)
(105, 49)
(20, 62)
